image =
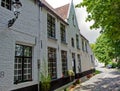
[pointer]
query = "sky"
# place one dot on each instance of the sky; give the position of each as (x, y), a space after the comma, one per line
(81, 14)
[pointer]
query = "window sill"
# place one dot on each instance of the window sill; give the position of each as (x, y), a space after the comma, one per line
(17, 82)
(63, 42)
(52, 38)
(78, 48)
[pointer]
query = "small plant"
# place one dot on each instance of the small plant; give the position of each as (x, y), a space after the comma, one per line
(45, 77)
(118, 64)
(71, 74)
(45, 82)
(97, 72)
(78, 81)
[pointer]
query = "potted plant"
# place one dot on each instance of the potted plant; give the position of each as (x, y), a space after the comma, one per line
(71, 74)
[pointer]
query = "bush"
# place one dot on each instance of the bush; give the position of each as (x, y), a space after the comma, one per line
(114, 65)
(118, 64)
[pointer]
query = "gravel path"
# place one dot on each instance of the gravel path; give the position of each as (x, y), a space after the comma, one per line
(107, 80)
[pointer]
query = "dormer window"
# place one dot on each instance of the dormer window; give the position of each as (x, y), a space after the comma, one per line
(6, 4)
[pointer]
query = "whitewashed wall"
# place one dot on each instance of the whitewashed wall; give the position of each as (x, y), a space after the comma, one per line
(24, 31)
(73, 30)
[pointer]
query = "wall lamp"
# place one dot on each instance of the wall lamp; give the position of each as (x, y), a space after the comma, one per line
(16, 9)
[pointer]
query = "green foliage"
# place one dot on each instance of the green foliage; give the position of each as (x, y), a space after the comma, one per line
(102, 50)
(105, 14)
(118, 64)
(97, 72)
(71, 73)
(45, 82)
(45, 77)
(113, 64)
(105, 49)
(92, 46)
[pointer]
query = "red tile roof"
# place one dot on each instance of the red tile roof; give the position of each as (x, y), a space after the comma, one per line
(63, 11)
(52, 10)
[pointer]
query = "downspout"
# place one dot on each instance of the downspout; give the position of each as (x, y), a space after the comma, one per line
(39, 42)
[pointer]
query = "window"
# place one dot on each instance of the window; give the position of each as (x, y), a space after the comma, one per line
(63, 33)
(23, 63)
(82, 44)
(79, 62)
(86, 47)
(77, 41)
(92, 60)
(6, 4)
(64, 62)
(73, 63)
(72, 42)
(52, 62)
(50, 26)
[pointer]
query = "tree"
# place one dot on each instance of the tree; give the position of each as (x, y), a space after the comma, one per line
(92, 46)
(102, 49)
(105, 14)
(106, 49)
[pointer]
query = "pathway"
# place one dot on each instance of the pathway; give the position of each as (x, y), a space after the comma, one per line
(108, 80)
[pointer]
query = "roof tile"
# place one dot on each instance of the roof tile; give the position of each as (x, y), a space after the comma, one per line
(63, 11)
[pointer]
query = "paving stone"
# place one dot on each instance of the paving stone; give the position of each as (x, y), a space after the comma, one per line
(107, 80)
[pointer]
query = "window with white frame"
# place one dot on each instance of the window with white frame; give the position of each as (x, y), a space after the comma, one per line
(63, 32)
(51, 26)
(52, 65)
(64, 62)
(6, 4)
(23, 63)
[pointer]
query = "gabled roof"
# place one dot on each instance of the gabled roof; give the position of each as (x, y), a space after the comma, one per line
(63, 11)
(52, 10)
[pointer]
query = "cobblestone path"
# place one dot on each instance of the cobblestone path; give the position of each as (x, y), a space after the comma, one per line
(107, 80)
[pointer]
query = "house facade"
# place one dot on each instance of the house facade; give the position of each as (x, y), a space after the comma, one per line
(18, 46)
(41, 37)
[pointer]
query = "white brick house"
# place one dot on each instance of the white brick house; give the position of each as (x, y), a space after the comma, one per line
(40, 33)
(25, 33)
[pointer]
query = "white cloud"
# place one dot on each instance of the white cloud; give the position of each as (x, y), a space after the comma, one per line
(57, 3)
(91, 35)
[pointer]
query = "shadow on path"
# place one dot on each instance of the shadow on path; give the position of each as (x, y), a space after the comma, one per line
(104, 84)
(109, 82)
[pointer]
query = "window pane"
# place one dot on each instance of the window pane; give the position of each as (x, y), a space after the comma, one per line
(19, 50)
(27, 51)
(6, 4)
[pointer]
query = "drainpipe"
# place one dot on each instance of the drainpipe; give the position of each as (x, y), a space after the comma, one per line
(39, 42)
